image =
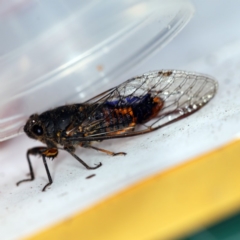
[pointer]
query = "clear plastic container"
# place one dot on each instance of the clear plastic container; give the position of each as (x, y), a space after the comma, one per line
(54, 53)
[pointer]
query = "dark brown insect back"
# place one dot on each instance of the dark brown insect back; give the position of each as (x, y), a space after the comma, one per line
(138, 106)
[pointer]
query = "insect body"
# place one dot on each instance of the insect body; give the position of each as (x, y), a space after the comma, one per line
(138, 106)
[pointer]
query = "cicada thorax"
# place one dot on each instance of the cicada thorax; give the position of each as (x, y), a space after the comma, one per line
(58, 123)
(121, 115)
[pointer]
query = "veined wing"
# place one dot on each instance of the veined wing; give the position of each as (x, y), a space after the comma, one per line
(182, 93)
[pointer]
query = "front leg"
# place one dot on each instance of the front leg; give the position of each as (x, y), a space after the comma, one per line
(43, 152)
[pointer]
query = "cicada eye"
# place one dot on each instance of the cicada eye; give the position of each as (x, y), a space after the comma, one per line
(38, 130)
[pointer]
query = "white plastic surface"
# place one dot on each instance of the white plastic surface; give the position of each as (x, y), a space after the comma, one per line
(53, 54)
(209, 47)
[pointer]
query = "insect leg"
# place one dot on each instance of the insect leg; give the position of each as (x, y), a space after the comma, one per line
(44, 152)
(33, 151)
(81, 161)
(48, 173)
(105, 151)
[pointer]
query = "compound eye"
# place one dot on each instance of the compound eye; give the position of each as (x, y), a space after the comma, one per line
(38, 130)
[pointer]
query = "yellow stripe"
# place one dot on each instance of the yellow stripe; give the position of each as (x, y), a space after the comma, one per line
(167, 205)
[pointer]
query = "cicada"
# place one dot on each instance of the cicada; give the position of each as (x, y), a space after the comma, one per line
(137, 106)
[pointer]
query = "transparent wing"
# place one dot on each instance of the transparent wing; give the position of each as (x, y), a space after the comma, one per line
(182, 94)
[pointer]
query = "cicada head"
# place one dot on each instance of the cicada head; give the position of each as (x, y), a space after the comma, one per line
(34, 128)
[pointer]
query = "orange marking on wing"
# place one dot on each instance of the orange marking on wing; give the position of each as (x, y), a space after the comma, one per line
(118, 111)
(158, 106)
(127, 110)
